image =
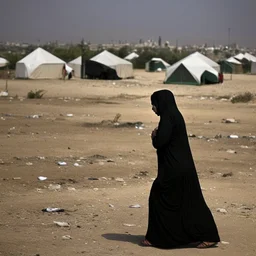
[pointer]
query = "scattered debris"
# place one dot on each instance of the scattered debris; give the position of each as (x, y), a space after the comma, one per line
(231, 151)
(62, 163)
(3, 94)
(71, 189)
(135, 206)
(16, 178)
(229, 174)
(119, 179)
(229, 121)
(93, 178)
(218, 136)
(223, 242)
(50, 209)
(41, 157)
(233, 136)
(139, 125)
(34, 116)
(42, 178)
(129, 225)
(66, 237)
(54, 187)
(222, 210)
(61, 224)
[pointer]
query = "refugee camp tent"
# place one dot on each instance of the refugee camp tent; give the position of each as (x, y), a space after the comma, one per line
(108, 66)
(210, 62)
(231, 66)
(3, 62)
(131, 56)
(39, 64)
(249, 57)
(76, 66)
(239, 56)
(191, 70)
(253, 68)
(156, 64)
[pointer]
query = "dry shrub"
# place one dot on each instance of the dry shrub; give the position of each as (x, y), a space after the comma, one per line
(35, 94)
(243, 97)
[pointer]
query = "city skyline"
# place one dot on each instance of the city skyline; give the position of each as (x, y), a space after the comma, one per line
(188, 22)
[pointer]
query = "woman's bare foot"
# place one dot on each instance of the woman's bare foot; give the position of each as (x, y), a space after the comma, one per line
(205, 245)
(145, 242)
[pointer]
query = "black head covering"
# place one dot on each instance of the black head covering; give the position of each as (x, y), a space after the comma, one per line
(164, 101)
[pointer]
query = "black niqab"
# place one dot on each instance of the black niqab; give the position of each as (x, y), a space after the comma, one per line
(178, 214)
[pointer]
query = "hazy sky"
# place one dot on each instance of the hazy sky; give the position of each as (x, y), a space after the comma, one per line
(100, 21)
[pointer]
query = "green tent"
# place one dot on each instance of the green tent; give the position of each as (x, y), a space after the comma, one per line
(192, 70)
(155, 64)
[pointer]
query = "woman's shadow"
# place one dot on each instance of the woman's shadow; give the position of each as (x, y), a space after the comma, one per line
(134, 239)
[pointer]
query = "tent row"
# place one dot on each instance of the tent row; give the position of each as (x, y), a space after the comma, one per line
(42, 64)
(240, 63)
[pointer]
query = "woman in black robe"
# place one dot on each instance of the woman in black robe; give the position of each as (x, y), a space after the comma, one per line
(178, 213)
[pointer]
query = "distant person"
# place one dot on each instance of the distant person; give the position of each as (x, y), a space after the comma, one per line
(221, 77)
(178, 213)
(64, 72)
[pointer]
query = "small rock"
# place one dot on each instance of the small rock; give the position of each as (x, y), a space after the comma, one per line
(41, 157)
(191, 135)
(76, 164)
(223, 242)
(111, 205)
(119, 179)
(218, 136)
(66, 237)
(61, 224)
(29, 164)
(54, 187)
(69, 115)
(16, 178)
(71, 189)
(92, 178)
(231, 151)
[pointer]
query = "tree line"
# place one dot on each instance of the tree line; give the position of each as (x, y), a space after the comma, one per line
(71, 52)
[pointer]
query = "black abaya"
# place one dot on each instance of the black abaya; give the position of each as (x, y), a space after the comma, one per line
(178, 214)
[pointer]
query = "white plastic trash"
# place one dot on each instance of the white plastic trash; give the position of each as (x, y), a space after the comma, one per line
(42, 178)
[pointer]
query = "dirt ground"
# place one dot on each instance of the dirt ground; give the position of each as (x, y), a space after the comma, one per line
(37, 134)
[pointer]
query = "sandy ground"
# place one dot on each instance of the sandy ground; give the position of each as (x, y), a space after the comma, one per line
(98, 210)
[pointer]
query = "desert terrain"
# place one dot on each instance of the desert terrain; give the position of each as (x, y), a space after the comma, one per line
(110, 167)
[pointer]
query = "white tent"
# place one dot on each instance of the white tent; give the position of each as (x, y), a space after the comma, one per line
(253, 68)
(123, 68)
(233, 61)
(76, 66)
(239, 56)
(191, 70)
(3, 62)
(210, 62)
(249, 57)
(131, 56)
(39, 64)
